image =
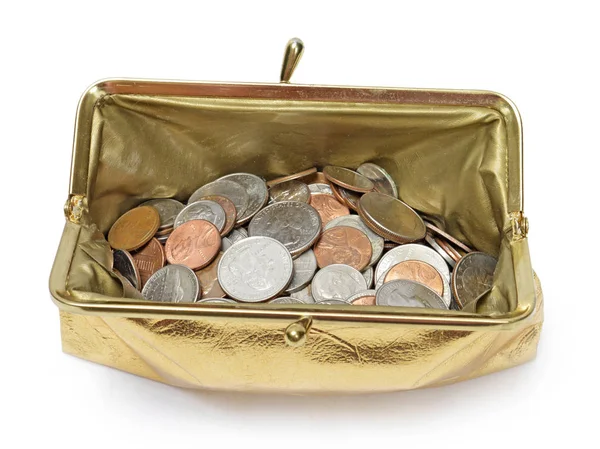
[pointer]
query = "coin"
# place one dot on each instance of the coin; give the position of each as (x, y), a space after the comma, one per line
(349, 198)
(304, 295)
(320, 188)
(227, 188)
(315, 178)
(412, 251)
(194, 244)
(167, 209)
(305, 266)
(417, 271)
(255, 269)
(290, 191)
(285, 300)
(449, 249)
(343, 245)
(389, 245)
(348, 179)
(209, 281)
(391, 218)
(328, 207)
(134, 228)
(238, 234)
(163, 238)
(149, 259)
(337, 282)
(365, 298)
(258, 195)
(296, 225)
(406, 293)
(172, 283)
(354, 221)
(216, 301)
(228, 208)
(298, 175)
(333, 302)
(225, 244)
(447, 236)
(473, 275)
(165, 231)
(438, 249)
(123, 263)
(381, 179)
(202, 210)
(368, 275)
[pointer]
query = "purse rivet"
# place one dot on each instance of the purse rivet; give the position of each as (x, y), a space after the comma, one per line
(295, 334)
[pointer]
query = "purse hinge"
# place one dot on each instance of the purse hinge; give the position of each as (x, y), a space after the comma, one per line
(74, 208)
(520, 225)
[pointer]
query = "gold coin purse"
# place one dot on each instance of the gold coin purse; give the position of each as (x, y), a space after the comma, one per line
(456, 157)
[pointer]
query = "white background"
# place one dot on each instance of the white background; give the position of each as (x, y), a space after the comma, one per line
(543, 57)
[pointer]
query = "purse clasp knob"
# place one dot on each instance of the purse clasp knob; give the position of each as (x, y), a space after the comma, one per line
(293, 53)
(296, 333)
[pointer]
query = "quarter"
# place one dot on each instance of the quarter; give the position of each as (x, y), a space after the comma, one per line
(405, 293)
(381, 179)
(228, 208)
(258, 195)
(292, 190)
(473, 276)
(167, 209)
(227, 188)
(337, 282)
(173, 283)
(305, 266)
(202, 210)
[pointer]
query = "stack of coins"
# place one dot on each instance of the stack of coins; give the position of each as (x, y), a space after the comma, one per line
(335, 237)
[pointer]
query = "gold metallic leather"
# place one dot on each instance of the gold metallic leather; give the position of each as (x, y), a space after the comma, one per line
(455, 155)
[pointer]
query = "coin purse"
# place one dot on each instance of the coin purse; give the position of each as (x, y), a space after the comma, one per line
(456, 156)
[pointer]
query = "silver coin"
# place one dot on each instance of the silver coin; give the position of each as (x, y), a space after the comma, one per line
(305, 266)
(292, 190)
(236, 235)
(225, 244)
(285, 300)
(229, 189)
(124, 264)
(438, 249)
(216, 301)
(333, 302)
(203, 210)
(354, 221)
(173, 283)
(163, 238)
(382, 179)
(296, 225)
(337, 282)
(304, 295)
(361, 295)
(320, 188)
(167, 209)
(412, 251)
(257, 191)
(368, 275)
(405, 293)
(255, 269)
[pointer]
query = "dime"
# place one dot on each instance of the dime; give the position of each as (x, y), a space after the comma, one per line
(238, 234)
(255, 269)
(337, 282)
(228, 208)
(134, 228)
(123, 263)
(216, 301)
(149, 259)
(290, 191)
(417, 271)
(320, 188)
(304, 295)
(296, 225)
(473, 275)
(366, 298)
(405, 293)
(438, 249)
(328, 207)
(194, 244)
(173, 283)
(285, 300)
(167, 209)
(225, 244)
(209, 281)
(348, 179)
(391, 218)
(368, 275)
(412, 251)
(202, 210)
(283, 179)
(227, 188)
(354, 221)
(304, 269)
(381, 179)
(448, 237)
(258, 195)
(333, 302)
(343, 245)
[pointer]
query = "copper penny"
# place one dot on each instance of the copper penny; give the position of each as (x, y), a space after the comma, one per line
(209, 282)
(348, 179)
(134, 228)
(328, 207)
(448, 237)
(194, 244)
(448, 248)
(364, 301)
(149, 259)
(301, 174)
(415, 270)
(315, 178)
(228, 207)
(343, 245)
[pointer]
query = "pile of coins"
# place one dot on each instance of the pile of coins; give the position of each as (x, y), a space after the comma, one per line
(333, 237)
